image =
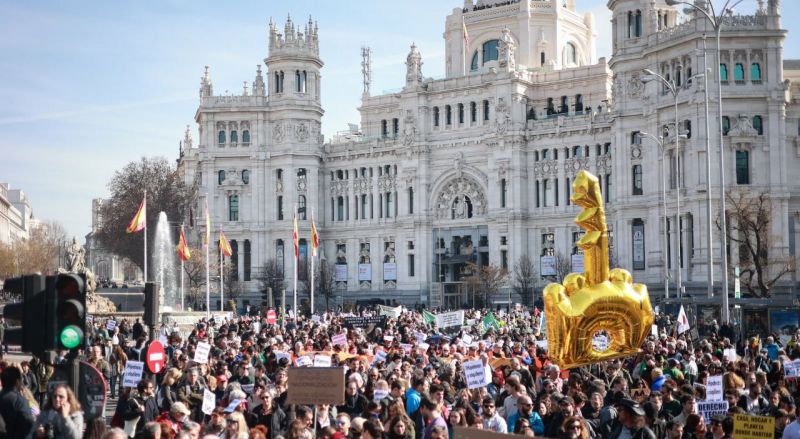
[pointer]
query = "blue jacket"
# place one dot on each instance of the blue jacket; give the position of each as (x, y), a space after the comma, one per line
(536, 423)
(413, 399)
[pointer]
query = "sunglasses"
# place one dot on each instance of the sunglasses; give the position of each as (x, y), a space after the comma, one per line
(575, 427)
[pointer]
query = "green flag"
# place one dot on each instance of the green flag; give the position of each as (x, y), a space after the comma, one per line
(428, 317)
(489, 321)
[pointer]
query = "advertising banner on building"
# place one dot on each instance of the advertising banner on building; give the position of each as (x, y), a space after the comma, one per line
(364, 272)
(547, 265)
(577, 263)
(341, 272)
(638, 245)
(390, 271)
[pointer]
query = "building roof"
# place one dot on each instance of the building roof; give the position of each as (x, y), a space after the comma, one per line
(791, 64)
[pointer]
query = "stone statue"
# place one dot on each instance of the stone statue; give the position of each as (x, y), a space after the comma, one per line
(409, 129)
(506, 48)
(364, 254)
(413, 66)
(466, 247)
(341, 255)
(76, 257)
(502, 116)
(388, 254)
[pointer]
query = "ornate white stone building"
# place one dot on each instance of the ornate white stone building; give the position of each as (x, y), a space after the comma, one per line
(477, 167)
(105, 265)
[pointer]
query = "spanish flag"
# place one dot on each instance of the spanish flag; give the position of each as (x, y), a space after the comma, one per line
(139, 220)
(466, 35)
(183, 249)
(224, 245)
(207, 239)
(314, 237)
(296, 237)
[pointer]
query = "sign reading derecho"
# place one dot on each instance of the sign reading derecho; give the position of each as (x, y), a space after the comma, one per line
(316, 385)
(448, 319)
(711, 408)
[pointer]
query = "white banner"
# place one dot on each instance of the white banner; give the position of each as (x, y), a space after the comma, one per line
(279, 355)
(390, 312)
(201, 353)
(448, 319)
(364, 272)
(133, 373)
(714, 388)
(475, 374)
(792, 369)
(322, 361)
(389, 271)
(711, 408)
(577, 263)
(303, 361)
(209, 401)
(547, 265)
(341, 272)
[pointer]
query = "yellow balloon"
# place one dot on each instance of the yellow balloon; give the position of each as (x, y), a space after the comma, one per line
(598, 300)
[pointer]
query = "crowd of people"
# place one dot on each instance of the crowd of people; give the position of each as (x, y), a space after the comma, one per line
(404, 379)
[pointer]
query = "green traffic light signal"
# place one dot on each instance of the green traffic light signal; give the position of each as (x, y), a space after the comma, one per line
(70, 300)
(71, 337)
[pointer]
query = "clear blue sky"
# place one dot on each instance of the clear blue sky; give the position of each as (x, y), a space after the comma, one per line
(86, 87)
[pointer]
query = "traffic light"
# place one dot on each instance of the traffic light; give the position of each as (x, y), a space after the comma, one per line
(151, 304)
(70, 306)
(30, 314)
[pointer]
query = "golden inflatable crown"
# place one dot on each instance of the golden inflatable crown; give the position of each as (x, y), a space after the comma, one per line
(597, 300)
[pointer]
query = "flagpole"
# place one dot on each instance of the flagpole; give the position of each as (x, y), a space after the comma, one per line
(208, 257)
(182, 269)
(296, 257)
(221, 285)
(313, 256)
(145, 237)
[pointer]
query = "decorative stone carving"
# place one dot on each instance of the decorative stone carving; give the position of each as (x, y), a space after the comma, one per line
(458, 163)
(743, 128)
(386, 183)
(302, 184)
(341, 253)
(409, 129)
(462, 198)
(413, 66)
(75, 256)
(363, 254)
(635, 86)
(636, 152)
(301, 132)
(506, 48)
(388, 252)
(278, 132)
(502, 115)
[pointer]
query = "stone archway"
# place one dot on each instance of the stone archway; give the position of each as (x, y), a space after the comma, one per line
(460, 198)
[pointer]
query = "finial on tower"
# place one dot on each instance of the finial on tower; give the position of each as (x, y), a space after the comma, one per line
(206, 88)
(366, 68)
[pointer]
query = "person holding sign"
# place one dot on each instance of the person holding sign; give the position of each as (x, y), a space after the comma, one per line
(142, 408)
(191, 393)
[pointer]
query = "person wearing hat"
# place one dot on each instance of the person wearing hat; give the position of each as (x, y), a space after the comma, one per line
(631, 421)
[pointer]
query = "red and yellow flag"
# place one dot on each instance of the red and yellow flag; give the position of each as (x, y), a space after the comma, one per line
(314, 237)
(183, 249)
(139, 220)
(224, 245)
(296, 237)
(207, 239)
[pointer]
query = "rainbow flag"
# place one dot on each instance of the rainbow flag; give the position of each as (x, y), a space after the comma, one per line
(314, 237)
(224, 245)
(139, 220)
(183, 249)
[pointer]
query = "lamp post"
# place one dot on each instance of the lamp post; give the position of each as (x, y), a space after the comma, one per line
(660, 141)
(716, 22)
(673, 88)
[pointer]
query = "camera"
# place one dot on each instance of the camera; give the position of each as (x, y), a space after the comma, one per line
(49, 431)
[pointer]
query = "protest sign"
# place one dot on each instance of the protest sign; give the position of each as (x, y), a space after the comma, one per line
(420, 337)
(407, 347)
(467, 339)
(390, 312)
(365, 322)
(315, 318)
(322, 361)
(730, 354)
(233, 406)
(248, 388)
(714, 388)
(339, 339)
(201, 352)
(279, 355)
(380, 357)
(600, 342)
(423, 346)
(475, 374)
(209, 401)
(792, 369)
(448, 319)
(133, 373)
(379, 394)
(541, 344)
(474, 433)
(316, 385)
(640, 395)
(111, 324)
(710, 408)
(89, 318)
(753, 427)
(303, 361)
(654, 331)
(388, 338)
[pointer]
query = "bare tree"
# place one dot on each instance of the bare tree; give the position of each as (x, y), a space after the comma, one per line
(270, 276)
(487, 279)
(325, 282)
(523, 279)
(749, 218)
(195, 276)
(563, 266)
(165, 192)
(38, 253)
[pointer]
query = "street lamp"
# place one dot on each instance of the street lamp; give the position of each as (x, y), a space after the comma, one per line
(660, 142)
(673, 88)
(716, 22)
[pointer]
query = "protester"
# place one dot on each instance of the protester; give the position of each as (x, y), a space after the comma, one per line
(62, 416)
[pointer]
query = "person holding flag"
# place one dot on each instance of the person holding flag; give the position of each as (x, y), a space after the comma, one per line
(224, 250)
(139, 223)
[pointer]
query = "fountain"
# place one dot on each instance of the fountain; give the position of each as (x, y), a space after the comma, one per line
(165, 269)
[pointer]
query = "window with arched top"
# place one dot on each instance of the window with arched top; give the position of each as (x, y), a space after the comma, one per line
(436, 116)
(489, 51)
(221, 137)
(738, 72)
(220, 176)
(233, 208)
(758, 125)
(755, 72)
(234, 137)
(301, 207)
(571, 54)
(246, 137)
(473, 65)
(461, 208)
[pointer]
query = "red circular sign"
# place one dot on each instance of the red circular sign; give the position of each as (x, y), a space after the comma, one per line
(156, 357)
(272, 318)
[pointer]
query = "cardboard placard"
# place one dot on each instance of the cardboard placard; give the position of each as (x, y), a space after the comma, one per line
(279, 355)
(407, 347)
(753, 427)
(316, 385)
(467, 339)
(714, 388)
(202, 352)
(380, 357)
(475, 374)
(133, 373)
(730, 354)
(322, 361)
(640, 395)
(303, 361)
(792, 369)
(379, 394)
(209, 401)
(111, 324)
(339, 339)
(233, 405)
(448, 319)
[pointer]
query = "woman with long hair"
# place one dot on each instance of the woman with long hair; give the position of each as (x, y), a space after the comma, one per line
(574, 427)
(400, 428)
(117, 362)
(62, 417)
(456, 418)
(168, 393)
(235, 427)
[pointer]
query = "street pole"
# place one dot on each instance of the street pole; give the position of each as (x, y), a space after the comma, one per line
(678, 248)
(709, 231)
(660, 142)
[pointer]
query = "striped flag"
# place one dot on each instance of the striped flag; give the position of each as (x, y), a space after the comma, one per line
(183, 249)
(296, 237)
(139, 220)
(207, 238)
(224, 245)
(466, 34)
(314, 237)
